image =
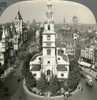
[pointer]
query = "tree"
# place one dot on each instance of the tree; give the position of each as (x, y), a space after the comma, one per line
(30, 80)
(74, 66)
(42, 83)
(63, 84)
(74, 75)
(73, 80)
(26, 64)
(1, 71)
(54, 85)
(1, 84)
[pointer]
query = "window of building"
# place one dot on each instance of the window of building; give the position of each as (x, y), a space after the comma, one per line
(48, 44)
(48, 51)
(62, 74)
(48, 37)
(39, 58)
(48, 27)
(48, 72)
(58, 58)
(34, 74)
(48, 62)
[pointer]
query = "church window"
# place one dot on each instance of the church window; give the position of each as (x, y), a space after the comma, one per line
(11, 44)
(48, 51)
(34, 74)
(48, 62)
(58, 58)
(39, 58)
(48, 27)
(48, 44)
(62, 74)
(48, 37)
(48, 72)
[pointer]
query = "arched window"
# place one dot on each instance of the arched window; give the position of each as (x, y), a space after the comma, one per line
(48, 37)
(48, 72)
(48, 27)
(48, 51)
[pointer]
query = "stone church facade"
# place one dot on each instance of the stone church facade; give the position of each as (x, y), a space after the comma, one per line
(51, 60)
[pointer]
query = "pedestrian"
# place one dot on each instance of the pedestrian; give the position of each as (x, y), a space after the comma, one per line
(18, 80)
(81, 89)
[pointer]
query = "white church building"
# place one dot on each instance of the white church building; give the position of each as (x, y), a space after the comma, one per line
(50, 61)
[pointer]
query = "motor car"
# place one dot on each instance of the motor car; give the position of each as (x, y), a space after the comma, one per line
(89, 80)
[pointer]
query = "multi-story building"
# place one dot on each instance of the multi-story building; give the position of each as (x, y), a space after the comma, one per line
(12, 35)
(70, 48)
(88, 52)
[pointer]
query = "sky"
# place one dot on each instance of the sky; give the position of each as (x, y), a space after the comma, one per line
(36, 10)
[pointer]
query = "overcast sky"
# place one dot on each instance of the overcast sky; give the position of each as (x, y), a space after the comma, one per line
(36, 10)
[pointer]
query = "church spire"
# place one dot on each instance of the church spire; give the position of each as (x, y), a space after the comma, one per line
(49, 23)
(49, 13)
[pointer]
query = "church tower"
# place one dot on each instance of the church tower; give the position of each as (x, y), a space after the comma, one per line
(19, 27)
(18, 22)
(48, 45)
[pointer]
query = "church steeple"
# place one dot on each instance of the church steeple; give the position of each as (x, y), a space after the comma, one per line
(49, 13)
(48, 44)
(49, 23)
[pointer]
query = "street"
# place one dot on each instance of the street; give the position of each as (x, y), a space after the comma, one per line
(16, 91)
(88, 93)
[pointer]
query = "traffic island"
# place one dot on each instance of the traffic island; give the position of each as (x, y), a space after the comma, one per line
(29, 95)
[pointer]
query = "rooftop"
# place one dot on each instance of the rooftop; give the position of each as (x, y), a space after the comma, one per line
(35, 56)
(18, 16)
(61, 68)
(36, 67)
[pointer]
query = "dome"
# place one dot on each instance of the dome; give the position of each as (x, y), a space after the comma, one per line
(75, 17)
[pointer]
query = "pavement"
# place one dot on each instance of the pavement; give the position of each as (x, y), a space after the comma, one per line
(10, 80)
(89, 71)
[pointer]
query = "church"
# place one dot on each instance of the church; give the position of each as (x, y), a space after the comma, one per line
(51, 60)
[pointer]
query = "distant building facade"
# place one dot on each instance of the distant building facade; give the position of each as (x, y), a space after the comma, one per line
(12, 36)
(75, 20)
(88, 52)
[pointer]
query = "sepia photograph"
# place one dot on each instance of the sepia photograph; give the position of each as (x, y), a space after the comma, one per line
(48, 50)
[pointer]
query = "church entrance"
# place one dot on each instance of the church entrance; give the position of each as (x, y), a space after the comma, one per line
(48, 72)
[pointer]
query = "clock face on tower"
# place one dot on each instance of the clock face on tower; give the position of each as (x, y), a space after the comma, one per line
(48, 44)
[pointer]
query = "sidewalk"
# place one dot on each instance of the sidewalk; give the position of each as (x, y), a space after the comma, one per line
(7, 72)
(89, 71)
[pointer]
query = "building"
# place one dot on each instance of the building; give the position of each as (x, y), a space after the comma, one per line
(70, 48)
(48, 61)
(75, 20)
(88, 52)
(12, 36)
